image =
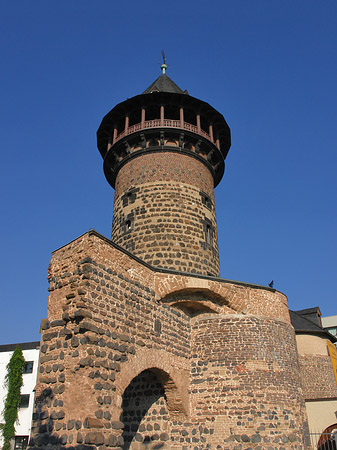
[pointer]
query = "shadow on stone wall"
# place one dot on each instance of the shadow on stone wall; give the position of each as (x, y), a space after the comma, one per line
(43, 430)
(145, 415)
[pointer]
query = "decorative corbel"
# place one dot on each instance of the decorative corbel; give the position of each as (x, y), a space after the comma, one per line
(127, 148)
(181, 139)
(217, 165)
(143, 140)
(197, 146)
(162, 138)
(210, 155)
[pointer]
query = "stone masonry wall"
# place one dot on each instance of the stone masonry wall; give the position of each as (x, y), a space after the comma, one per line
(125, 365)
(245, 382)
(145, 413)
(317, 376)
(102, 313)
(164, 212)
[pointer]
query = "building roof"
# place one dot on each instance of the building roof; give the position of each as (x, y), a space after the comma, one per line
(312, 314)
(303, 325)
(22, 345)
(163, 84)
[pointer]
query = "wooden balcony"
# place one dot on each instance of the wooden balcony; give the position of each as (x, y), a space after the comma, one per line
(164, 123)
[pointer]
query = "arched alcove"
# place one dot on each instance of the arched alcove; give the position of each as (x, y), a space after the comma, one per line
(170, 371)
(194, 308)
(145, 412)
(196, 301)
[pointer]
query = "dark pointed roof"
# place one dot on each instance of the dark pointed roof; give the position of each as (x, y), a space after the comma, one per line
(163, 84)
(303, 325)
(165, 91)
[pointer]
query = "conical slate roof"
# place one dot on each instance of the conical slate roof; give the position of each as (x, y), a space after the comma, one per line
(163, 84)
(166, 92)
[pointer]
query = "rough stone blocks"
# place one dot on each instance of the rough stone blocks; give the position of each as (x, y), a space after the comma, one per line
(135, 357)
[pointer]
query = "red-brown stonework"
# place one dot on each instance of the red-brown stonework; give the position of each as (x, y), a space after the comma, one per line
(164, 212)
(145, 347)
(134, 357)
(246, 384)
(164, 166)
(318, 378)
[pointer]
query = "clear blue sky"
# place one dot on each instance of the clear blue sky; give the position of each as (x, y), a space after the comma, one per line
(269, 66)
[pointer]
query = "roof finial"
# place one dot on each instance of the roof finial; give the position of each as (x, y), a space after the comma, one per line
(163, 66)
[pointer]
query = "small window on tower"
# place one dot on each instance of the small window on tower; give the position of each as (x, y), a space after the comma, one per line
(209, 231)
(128, 225)
(157, 326)
(208, 234)
(206, 200)
(129, 197)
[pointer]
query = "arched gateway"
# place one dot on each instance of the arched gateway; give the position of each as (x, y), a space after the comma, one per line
(145, 413)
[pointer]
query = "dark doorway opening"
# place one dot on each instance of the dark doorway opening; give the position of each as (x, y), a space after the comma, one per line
(145, 415)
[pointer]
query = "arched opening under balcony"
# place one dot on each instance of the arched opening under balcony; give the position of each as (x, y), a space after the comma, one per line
(120, 125)
(204, 123)
(172, 112)
(134, 117)
(152, 112)
(190, 116)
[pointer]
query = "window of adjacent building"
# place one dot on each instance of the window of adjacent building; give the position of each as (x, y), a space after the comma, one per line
(21, 442)
(28, 367)
(24, 400)
(332, 330)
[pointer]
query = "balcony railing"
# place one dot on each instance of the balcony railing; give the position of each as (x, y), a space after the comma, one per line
(166, 123)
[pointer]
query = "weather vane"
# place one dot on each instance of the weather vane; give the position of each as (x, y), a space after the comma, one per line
(163, 66)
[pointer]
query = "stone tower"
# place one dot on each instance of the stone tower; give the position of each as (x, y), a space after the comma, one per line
(145, 346)
(164, 153)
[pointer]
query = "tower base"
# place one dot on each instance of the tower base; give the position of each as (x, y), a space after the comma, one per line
(134, 357)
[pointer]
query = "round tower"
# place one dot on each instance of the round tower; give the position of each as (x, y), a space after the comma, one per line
(164, 153)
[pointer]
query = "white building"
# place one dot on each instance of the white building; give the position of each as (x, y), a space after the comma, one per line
(330, 324)
(30, 352)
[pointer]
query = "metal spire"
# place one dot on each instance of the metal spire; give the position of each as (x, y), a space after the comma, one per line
(163, 66)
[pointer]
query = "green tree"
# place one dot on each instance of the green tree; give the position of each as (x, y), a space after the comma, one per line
(13, 382)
